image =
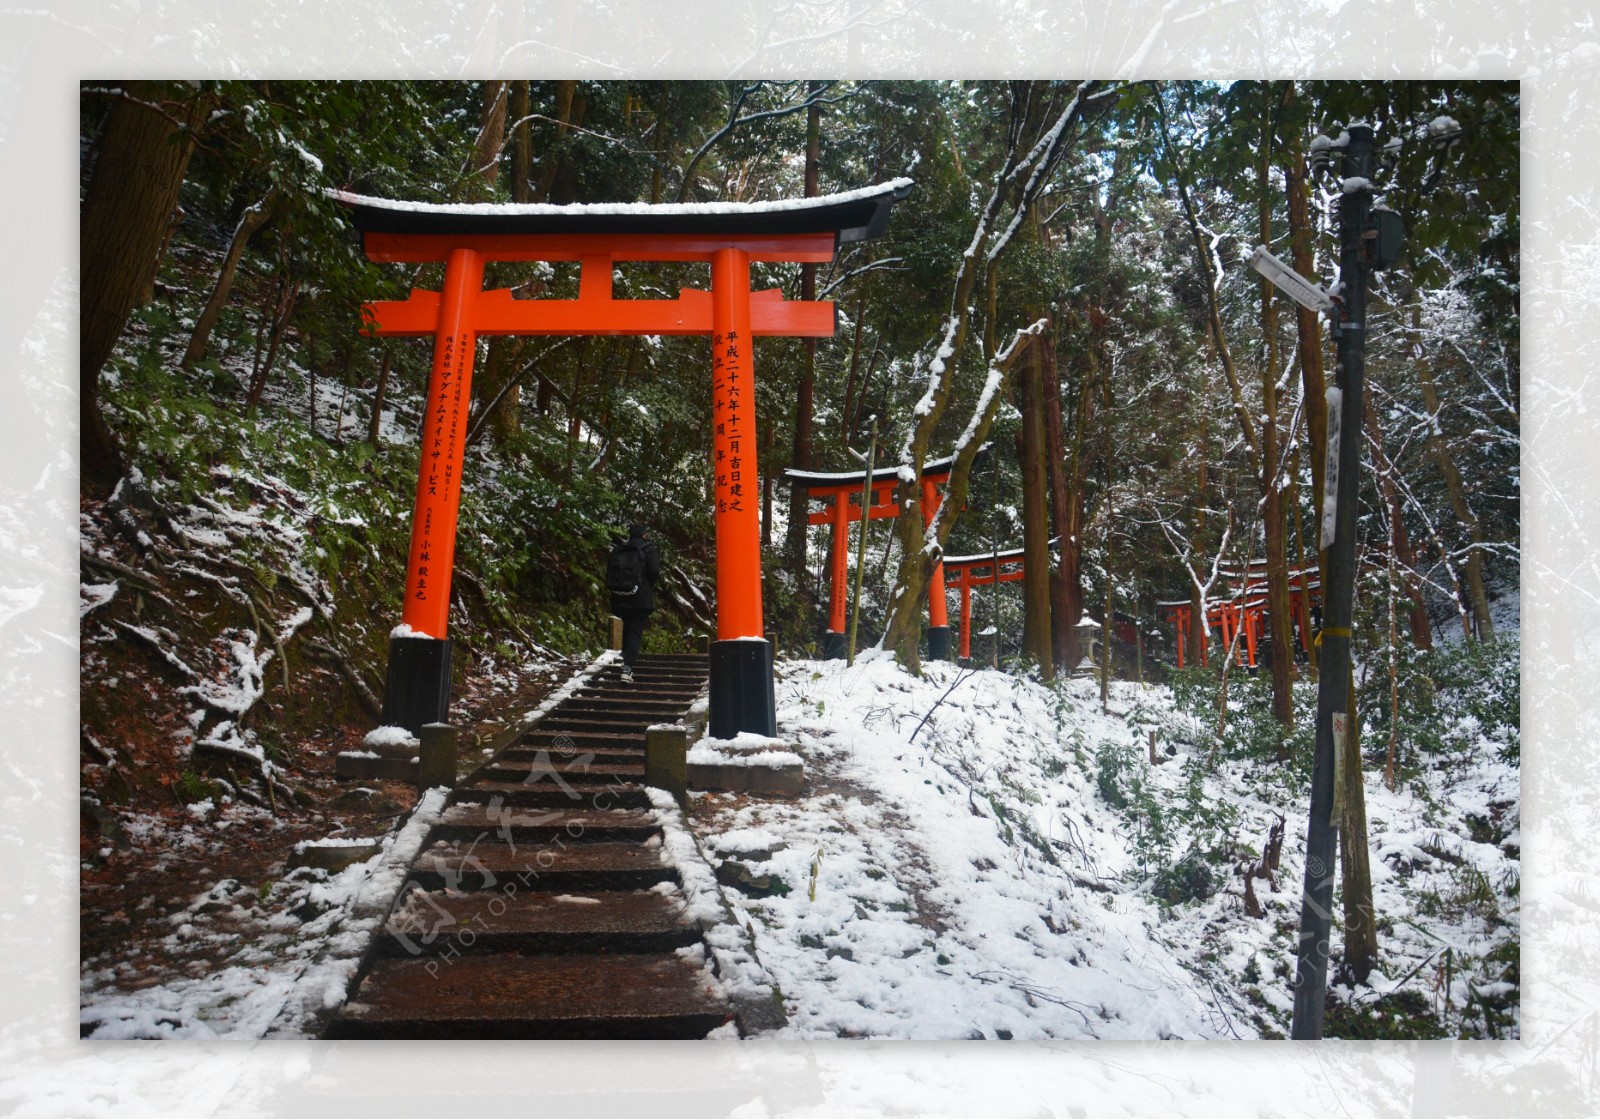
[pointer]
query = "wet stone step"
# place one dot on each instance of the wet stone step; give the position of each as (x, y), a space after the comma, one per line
(539, 922)
(619, 704)
(589, 724)
(518, 824)
(652, 673)
(504, 995)
(557, 742)
(627, 694)
(572, 764)
(491, 865)
(561, 774)
(589, 795)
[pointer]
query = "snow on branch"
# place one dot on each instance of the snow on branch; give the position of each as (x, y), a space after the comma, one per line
(1042, 159)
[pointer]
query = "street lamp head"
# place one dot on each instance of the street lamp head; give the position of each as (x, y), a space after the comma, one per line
(1290, 282)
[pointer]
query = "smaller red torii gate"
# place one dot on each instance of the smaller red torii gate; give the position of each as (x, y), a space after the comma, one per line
(842, 491)
(982, 570)
(1246, 607)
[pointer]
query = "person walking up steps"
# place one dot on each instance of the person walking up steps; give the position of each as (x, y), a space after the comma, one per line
(632, 570)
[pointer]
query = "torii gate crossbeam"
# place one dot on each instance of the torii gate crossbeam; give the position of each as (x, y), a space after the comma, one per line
(728, 238)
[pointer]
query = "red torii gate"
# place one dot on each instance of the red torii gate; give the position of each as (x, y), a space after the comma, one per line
(727, 237)
(981, 570)
(1246, 606)
(842, 492)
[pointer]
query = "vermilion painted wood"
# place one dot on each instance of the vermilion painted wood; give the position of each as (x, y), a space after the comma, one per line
(420, 248)
(966, 577)
(733, 421)
(444, 436)
(966, 616)
(852, 513)
(595, 312)
(825, 491)
(839, 567)
(938, 609)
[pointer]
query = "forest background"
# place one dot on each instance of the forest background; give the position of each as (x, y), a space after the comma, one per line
(1538, 45)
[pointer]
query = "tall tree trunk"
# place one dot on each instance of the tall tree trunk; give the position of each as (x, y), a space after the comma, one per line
(1313, 379)
(570, 107)
(1274, 528)
(142, 154)
(1063, 601)
(1199, 628)
(1037, 145)
(289, 291)
(503, 352)
(1036, 629)
(375, 427)
(491, 134)
(1108, 427)
(1477, 593)
(1399, 544)
(1360, 917)
(521, 142)
(1406, 553)
(1393, 651)
(799, 501)
(254, 218)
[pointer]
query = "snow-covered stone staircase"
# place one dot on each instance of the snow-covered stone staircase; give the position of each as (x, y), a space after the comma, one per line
(542, 904)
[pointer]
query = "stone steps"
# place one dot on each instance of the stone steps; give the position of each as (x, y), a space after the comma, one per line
(541, 922)
(541, 826)
(541, 905)
(510, 995)
(589, 794)
(555, 776)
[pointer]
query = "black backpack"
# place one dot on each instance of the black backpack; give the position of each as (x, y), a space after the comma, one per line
(625, 568)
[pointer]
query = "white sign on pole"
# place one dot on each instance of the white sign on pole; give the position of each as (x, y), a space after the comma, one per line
(1330, 478)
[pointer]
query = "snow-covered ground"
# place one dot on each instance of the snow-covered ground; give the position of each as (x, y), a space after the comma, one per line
(292, 950)
(976, 855)
(1013, 865)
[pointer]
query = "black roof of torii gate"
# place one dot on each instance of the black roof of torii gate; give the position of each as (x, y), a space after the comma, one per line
(826, 480)
(858, 215)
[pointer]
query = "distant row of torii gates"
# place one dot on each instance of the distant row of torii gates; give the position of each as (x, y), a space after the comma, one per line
(1241, 614)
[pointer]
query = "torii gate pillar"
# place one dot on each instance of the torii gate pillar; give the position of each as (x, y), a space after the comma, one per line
(741, 694)
(938, 610)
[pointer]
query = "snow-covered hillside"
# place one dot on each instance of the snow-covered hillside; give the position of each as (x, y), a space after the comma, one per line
(978, 855)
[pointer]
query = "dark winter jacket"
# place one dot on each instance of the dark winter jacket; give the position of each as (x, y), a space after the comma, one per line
(643, 599)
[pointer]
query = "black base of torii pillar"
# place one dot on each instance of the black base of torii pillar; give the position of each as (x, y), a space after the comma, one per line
(417, 691)
(741, 691)
(938, 643)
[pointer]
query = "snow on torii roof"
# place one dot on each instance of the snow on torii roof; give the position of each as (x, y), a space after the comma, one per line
(857, 215)
(824, 479)
(980, 558)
